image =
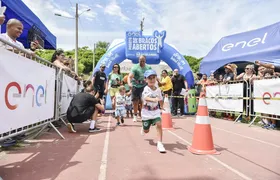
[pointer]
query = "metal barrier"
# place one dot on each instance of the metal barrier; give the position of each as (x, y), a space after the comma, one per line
(260, 90)
(218, 96)
(265, 90)
(26, 58)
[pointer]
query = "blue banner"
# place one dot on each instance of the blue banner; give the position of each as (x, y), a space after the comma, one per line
(150, 46)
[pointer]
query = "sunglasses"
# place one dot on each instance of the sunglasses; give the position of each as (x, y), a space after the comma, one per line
(116, 67)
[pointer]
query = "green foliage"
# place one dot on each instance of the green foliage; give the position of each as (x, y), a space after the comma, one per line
(85, 61)
(193, 62)
(85, 54)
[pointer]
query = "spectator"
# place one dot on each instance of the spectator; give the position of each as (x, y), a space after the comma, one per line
(166, 85)
(179, 82)
(229, 70)
(99, 81)
(261, 70)
(271, 123)
(115, 81)
(198, 86)
(212, 80)
(248, 76)
(58, 60)
(2, 19)
(203, 82)
(221, 78)
(84, 106)
(269, 66)
(14, 29)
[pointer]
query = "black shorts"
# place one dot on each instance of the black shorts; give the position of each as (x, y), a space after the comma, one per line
(137, 93)
(169, 92)
(82, 117)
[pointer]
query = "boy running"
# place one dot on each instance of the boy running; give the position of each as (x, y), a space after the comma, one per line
(120, 105)
(152, 105)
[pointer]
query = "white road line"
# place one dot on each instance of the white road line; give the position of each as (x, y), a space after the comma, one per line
(247, 137)
(215, 159)
(103, 166)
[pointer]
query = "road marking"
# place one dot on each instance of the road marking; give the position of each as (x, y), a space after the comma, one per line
(247, 137)
(103, 166)
(215, 159)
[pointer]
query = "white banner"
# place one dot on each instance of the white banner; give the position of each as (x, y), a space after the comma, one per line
(225, 90)
(27, 91)
(268, 88)
(68, 90)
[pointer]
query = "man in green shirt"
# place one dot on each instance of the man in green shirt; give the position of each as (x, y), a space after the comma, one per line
(136, 81)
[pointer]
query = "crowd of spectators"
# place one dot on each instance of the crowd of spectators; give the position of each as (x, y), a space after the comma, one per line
(256, 71)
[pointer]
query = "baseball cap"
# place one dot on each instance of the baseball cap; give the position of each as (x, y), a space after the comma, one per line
(149, 73)
(102, 65)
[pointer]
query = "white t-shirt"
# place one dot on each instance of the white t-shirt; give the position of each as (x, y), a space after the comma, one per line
(7, 38)
(120, 101)
(150, 114)
(128, 100)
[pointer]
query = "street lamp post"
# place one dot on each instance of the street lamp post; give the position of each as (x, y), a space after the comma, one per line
(77, 15)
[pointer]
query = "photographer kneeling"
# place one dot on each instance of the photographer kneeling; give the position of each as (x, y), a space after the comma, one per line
(84, 106)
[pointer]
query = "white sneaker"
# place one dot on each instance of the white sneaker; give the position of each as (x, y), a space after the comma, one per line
(134, 119)
(160, 147)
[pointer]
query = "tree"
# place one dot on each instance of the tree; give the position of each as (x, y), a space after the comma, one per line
(85, 55)
(193, 62)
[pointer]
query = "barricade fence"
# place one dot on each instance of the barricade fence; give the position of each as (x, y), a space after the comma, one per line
(257, 99)
(33, 92)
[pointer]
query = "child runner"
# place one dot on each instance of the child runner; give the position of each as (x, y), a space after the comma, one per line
(120, 105)
(152, 105)
(128, 104)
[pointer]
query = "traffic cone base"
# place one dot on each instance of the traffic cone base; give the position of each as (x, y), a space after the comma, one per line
(166, 121)
(201, 145)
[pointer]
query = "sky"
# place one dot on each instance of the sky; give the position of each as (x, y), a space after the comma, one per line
(193, 26)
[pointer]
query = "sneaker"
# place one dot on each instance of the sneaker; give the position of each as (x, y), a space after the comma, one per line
(71, 128)
(160, 147)
(94, 130)
(134, 119)
(122, 121)
(118, 123)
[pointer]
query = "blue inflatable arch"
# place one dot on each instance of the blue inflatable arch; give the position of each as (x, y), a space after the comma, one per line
(168, 54)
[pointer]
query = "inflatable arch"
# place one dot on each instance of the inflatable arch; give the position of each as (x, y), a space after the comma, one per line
(168, 54)
(153, 47)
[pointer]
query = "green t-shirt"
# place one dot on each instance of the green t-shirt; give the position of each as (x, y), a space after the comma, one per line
(114, 78)
(138, 72)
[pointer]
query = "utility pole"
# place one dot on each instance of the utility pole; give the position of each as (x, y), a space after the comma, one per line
(142, 24)
(76, 45)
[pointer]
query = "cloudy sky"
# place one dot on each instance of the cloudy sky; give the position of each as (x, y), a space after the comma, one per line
(193, 26)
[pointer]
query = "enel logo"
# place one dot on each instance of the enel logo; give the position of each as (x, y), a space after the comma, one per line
(266, 96)
(251, 43)
(22, 93)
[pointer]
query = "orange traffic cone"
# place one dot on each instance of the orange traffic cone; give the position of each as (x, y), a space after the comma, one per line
(202, 142)
(166, 115)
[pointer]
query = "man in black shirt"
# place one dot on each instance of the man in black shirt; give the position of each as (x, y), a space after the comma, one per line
(100, 83)
(179, 82)
(84, 106)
